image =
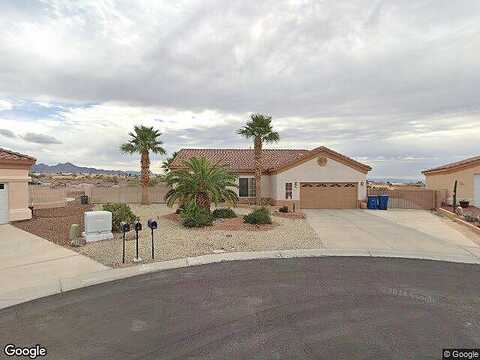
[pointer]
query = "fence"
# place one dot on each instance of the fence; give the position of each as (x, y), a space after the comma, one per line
(127, 194)
(411, 199)
(42, 197)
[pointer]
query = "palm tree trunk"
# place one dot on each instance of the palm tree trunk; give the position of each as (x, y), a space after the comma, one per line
(203, 201)
(145, 177)
(258, 170)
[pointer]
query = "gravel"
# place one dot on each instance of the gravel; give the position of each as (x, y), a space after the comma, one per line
(173, 241)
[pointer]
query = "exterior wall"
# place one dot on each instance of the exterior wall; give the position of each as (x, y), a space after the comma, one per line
(266, 185)
(310, 171)
(465, 187)
(18, 195)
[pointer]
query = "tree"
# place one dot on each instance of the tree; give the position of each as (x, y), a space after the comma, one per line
(260, 129)
(144, 140)
(201, 182)
(166, 164)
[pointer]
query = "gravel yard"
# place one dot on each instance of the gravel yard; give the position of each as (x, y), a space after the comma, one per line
(173, 241)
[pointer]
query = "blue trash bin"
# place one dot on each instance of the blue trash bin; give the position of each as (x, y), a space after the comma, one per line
(372, 202)
(383, 202)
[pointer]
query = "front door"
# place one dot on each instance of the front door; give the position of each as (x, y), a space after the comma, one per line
(3, 203)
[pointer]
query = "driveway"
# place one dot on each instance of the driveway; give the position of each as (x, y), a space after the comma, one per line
(28, 262)
(393, 231)
(310, 308)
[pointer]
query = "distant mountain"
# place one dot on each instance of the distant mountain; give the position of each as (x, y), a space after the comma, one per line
(74, 169)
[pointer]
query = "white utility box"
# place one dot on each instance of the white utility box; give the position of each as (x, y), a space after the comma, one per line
(98, 225)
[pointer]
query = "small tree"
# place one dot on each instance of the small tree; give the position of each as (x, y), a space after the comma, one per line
(201, 182)
(144, 140)
(260, 129)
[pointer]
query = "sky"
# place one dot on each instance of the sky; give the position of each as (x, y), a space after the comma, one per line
(394, 84)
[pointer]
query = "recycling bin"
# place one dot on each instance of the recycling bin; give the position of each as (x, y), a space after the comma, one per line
(372, 202)
(383, 202)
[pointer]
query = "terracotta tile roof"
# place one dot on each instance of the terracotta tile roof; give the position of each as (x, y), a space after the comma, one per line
(11, 156)
(455, 165)
(243, 160)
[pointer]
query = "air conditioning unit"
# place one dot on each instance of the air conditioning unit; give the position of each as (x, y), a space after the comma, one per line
(98, 225)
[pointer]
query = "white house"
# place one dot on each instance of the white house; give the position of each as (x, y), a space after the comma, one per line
(318, 178)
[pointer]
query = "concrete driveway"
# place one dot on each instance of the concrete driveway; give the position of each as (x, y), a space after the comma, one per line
(29, 263)
(393, 231)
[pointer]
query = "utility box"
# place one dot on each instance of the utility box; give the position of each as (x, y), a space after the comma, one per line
(98, 225)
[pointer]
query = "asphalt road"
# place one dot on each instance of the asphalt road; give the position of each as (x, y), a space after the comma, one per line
(316, 308)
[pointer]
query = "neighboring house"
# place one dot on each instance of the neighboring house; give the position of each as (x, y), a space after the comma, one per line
(14, 178)
(466, 172)
(318, 178)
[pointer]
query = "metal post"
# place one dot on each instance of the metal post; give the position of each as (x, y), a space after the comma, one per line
(153, 249)
(136, 241)
(123, 256)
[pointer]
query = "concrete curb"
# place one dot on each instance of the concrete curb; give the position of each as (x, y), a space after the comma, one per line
(62, 285)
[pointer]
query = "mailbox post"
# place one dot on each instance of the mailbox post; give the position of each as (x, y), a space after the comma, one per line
(125, 228)
(138, 227)
(152, 224)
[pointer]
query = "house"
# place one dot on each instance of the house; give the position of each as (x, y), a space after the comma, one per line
(14, 178)
(467, 174)
(318, 178)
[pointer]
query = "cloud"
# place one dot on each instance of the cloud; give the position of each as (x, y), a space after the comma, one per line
(7, 133)
(40, 138)
(396, 80)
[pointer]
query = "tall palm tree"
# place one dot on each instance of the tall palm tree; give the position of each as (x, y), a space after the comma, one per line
(144, 140)
(202, 182)
(260, 129)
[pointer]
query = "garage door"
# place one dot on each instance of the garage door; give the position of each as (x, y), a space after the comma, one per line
(3, 203)
(328, 195)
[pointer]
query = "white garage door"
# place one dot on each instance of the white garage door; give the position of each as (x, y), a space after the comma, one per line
(3, 203)
(476, 191)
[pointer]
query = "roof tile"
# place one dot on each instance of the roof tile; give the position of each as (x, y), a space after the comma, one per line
(8, 155)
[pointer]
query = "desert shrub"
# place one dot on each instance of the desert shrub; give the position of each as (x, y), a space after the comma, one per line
(258, 216)
(193, 215)
(283, 209)
(120, 212)
(470, 218)
(223, 213)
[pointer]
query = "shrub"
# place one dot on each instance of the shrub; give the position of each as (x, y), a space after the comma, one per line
(120, 212)
(258, 216)
(224, 213)
(194, 216)
(470, 218)
(283, 209)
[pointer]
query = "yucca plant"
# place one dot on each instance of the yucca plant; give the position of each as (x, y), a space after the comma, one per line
(201, 182)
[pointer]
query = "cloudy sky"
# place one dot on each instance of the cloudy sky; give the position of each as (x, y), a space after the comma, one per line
(394, 84)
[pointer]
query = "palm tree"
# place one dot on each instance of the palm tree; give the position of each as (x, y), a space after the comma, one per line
(166, 164)
(144, 140)
(202, 182)
(260, 129)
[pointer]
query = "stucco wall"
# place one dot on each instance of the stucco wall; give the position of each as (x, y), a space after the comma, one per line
(266, 184)
(465, 187)
(310, 171)
(18, 195)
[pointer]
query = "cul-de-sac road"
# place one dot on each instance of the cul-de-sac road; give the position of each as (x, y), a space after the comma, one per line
(312, 308)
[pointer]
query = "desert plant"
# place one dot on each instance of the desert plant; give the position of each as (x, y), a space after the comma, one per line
(193, 215)
(260, 129)
(166, 164)
(120, 212)
(143, 141)
(283, 209)
(470, 218)
(258, 216)
(223, 213)
(201, 182)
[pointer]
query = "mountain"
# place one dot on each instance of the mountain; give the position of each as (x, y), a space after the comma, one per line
(74, 169)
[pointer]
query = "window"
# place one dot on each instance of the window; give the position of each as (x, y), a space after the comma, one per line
(246, 187)
(2, 186)
(288, 190)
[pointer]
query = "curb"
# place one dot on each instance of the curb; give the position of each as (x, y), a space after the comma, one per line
(62, 285)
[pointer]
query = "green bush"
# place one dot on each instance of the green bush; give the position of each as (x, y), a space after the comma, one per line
(194, 216)
(120, 212)
(258, 216)
(283, 209)
(223, 213)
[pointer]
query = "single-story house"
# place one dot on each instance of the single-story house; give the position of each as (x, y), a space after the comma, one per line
(318, 178)
(467, 174)
(14, 178)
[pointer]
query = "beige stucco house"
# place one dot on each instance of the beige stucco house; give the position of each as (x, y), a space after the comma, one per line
(467, 174)
(318, 178)
(14, 178)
